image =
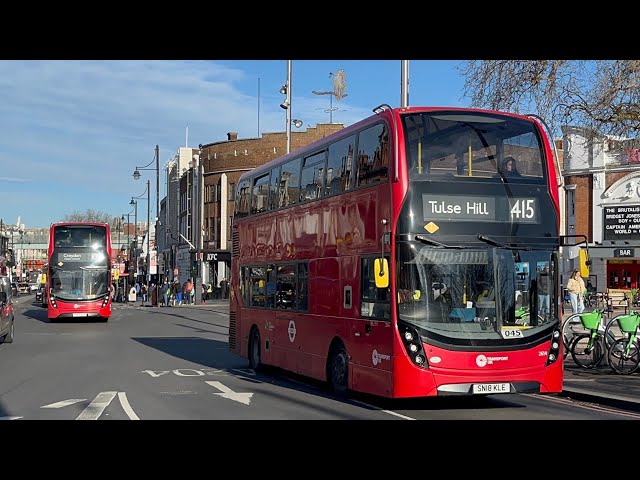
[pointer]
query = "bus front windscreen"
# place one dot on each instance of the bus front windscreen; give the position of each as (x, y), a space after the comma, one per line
(475, 293)
(80, 282)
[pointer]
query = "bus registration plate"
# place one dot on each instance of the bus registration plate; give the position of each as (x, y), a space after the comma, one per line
(79, 314)
(485, 388)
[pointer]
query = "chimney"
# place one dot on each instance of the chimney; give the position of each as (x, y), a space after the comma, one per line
(232, 136)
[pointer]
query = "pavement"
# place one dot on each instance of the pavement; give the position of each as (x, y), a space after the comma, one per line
(599, 385)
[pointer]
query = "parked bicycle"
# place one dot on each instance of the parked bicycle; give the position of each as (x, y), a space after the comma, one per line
(588, 349)
(624, 354)
(573, 327)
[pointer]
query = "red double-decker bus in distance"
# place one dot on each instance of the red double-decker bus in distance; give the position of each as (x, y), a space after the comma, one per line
(402, 257)
(79, 271)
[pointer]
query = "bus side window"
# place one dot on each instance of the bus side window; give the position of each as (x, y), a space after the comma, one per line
(374, 301)
(373, 155)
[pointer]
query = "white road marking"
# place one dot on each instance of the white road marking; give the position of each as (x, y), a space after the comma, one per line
(97, 406)
(390, 412)
(64, 403)
(230, 394)
(155, 374)
(10, 418)
(126, 406)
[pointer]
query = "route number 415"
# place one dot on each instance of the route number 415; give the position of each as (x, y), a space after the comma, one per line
(523, 209)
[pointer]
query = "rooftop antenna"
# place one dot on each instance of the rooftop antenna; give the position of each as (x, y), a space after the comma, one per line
(186, 140)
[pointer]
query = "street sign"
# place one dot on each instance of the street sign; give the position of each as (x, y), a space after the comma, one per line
(624, 252)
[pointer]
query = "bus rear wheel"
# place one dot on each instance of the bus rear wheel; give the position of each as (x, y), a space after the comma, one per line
(255, 361)
(338, 371)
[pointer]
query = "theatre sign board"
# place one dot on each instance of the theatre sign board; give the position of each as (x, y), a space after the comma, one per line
(622, 222)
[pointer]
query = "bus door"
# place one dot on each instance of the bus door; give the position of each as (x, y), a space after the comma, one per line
(282, 295)
(372, 335)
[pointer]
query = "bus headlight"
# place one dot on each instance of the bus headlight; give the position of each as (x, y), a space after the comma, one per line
(413, 345)
(554, 351)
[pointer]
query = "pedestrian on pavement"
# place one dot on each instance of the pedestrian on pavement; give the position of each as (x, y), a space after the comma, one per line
(166, 291)
(224, 286)
(576, 289)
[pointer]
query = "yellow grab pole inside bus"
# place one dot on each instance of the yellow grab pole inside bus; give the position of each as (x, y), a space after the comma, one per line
(470, 168)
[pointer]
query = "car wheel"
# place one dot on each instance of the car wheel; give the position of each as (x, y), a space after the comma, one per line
(8, 338)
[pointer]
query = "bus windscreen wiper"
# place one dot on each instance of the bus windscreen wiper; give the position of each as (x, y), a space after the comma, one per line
(430, 241)
(495, 243)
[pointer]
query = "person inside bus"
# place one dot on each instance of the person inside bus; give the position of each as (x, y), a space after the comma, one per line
(510, 168)
(543, 291)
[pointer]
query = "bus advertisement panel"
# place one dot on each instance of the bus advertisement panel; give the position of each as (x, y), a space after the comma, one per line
(403, 257)
(79, 271)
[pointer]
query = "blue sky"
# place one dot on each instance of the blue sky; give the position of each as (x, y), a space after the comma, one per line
(74, 131)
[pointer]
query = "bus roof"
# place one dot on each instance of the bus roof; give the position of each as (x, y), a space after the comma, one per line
(379, 112)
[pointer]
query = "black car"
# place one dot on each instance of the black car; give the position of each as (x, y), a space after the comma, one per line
(15, 291)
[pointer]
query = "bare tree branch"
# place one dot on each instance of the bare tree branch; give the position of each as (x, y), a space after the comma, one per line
(601, 95)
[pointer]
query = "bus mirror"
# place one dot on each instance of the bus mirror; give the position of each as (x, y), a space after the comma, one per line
(381, 272)
(584, 263)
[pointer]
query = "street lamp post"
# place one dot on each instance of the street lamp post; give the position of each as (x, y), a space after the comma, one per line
(135, 235)
(286, 90)
(119, 227)
(148, 230)
(136, 175)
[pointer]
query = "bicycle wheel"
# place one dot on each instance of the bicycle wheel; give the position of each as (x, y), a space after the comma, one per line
(624, 361)
(584, 356)
(571, 328)
(613, 332)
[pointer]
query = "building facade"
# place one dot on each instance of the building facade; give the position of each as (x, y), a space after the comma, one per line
(602, 183)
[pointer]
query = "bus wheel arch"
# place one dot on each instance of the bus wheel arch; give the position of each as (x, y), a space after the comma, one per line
(255, 359)
(338, 368)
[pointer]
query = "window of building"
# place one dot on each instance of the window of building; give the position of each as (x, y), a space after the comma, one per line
(232, 192)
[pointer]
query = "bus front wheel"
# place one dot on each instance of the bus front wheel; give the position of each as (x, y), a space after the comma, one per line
(338, 371)
(254, 349)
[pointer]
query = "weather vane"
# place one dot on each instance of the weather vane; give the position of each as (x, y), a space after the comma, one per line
(339, 89)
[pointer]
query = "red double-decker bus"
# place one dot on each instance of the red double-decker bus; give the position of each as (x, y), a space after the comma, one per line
(412, 254)
(79, 271)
